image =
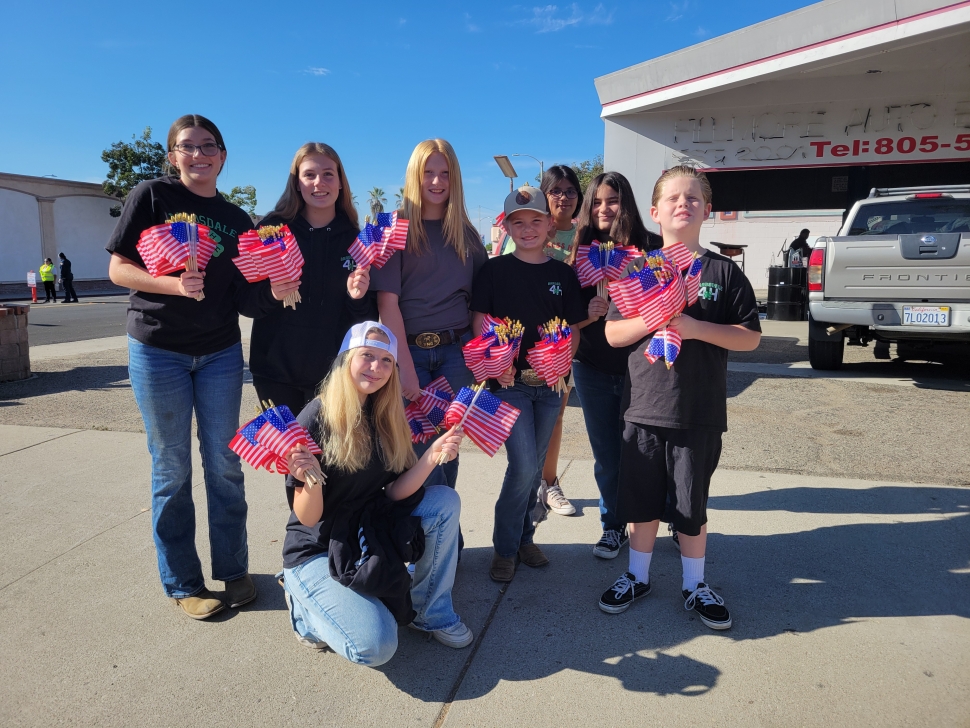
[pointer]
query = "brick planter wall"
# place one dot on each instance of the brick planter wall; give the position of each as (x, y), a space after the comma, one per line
(14, 351)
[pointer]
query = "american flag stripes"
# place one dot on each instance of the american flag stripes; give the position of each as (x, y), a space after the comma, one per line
(602, 261)
(665, 344)
(490, 355)
(264, 441)
(377, 242)
(421, 428)
(489, 421)
(692, 281)
(427, 416)
(552, 356)
(270, 252)
(166, 248)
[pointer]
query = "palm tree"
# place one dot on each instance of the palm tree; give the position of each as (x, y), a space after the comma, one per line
(399, 198)
(376, 200)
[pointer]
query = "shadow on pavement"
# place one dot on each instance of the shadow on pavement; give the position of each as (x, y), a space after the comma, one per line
(78, 379)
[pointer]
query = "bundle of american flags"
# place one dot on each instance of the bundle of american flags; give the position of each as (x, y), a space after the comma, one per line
(426, 416)
(485, 418)
(491, 354)
(552, 356)
(377, 242)
(599, 263)
(265, 441)
(668, 283)
(271, 252)
(180, 243)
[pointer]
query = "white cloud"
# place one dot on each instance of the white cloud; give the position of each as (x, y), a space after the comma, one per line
(470, 26)
(677, 11)
(701, 32)
(317, 71)
(552, 18)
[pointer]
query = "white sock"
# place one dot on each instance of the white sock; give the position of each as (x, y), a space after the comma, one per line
(640, 565)
(693, 572)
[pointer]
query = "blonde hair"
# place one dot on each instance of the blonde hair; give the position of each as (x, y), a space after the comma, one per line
(682, 171)
(347, 427)
(291, 201)
(456, 225)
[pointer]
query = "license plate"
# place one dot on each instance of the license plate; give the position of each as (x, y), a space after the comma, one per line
(926, 315)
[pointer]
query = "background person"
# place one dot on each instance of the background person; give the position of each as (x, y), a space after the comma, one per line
(185, 357)
(291, 350)
(47, 278)
(358, 420)
(67, 278)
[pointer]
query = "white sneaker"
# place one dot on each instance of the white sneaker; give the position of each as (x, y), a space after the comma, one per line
(456, 636)
(554, 499)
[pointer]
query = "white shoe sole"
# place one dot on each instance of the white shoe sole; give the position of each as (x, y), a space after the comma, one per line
(608, 554)
(715, 625)
(563, 511)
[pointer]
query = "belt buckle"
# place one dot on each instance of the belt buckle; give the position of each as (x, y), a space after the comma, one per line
(427, 340)
(529, 376)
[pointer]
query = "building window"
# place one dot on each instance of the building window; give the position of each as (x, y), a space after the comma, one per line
(728, 215)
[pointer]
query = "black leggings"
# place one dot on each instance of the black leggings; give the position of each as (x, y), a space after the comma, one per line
(50, 291)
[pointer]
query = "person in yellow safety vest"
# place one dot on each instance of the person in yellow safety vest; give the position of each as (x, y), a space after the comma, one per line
(47, 276)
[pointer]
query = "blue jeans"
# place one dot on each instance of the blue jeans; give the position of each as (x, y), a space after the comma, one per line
(600, 396)
(526, 449)
(361, 628)
(168, 386)
(446, 361)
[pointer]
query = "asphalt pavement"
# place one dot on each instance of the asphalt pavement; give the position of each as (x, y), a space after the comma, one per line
(91, 318)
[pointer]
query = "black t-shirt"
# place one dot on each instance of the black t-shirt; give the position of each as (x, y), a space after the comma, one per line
(594, 350)
(692, 394)
(177, 323)
(343, 492)
(532, 293)
(297, 346)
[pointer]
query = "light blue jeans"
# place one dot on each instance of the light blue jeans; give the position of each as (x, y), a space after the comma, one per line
(526, 449)
(361, 628)
(168, 386)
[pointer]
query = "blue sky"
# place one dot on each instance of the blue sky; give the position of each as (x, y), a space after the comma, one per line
(370, 79)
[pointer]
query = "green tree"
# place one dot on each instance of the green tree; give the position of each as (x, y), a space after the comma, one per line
(376, 201)
(588, 169)
(399, 198)
(244, 197)
(131, 163)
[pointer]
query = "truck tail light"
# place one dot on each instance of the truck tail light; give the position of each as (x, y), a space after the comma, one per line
(815, 265)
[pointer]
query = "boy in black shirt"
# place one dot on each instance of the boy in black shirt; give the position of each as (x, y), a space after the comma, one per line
(674, 417)
(529, 287)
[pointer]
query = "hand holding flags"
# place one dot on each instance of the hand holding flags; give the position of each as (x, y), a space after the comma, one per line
(552, 356)
(668, 283)
(485, 418)
(426, 416)
(180, 243)
(378, 242)
(599, 263)
(266, 440)
(271, 252)
(491, 354)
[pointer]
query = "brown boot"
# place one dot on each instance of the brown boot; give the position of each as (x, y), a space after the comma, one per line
(202, 605)
(531, 555)
(502, 569)
(240, 591)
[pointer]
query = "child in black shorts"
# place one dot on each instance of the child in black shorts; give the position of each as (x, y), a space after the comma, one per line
(673, 418)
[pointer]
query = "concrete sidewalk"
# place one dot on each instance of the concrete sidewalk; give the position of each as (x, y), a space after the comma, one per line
(850, 603)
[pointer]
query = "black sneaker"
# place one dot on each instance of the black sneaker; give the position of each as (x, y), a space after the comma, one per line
(708, 605)
(610, 544)
(620, 596)
(673, 534)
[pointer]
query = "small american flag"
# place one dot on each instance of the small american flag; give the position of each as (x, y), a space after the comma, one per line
(665, 344)
(166, 248)
(692, 281)
(552, 356)
(679, 255)
(490, 355)
(435, 399)
(377, 242)
(421, 428)
(489, 422)
(264, 441)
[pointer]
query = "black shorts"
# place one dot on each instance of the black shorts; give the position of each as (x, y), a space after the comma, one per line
(665, 474)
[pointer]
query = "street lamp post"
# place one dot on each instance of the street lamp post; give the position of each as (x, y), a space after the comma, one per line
(505, 164)
(542, 168)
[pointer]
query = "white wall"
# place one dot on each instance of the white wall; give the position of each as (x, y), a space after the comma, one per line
(20, 249)
(83, 226)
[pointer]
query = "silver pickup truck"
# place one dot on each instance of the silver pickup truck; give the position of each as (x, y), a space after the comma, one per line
(898, 271)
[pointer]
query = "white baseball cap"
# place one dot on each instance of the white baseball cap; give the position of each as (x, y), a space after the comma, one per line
(357, 337)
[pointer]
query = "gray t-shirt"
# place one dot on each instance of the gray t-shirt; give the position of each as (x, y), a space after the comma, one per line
(434, 288)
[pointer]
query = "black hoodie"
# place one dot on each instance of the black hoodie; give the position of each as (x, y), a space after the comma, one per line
(297, 347)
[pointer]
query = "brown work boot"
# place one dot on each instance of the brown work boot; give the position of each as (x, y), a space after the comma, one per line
(202, 605)
(240, 591)
(531, 555)
(502, 569)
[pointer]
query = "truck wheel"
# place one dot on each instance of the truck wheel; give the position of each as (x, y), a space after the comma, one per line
(825, 355)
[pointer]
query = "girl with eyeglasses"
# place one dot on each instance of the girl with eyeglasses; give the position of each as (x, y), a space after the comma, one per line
(291, 349)
(185, 358)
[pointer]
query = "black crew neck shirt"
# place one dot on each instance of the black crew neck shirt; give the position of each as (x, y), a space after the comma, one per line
(178, 323)
(692, 394)
(343, 493)
(533, 293)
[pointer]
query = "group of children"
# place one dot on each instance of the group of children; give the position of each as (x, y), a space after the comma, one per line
(655, 430)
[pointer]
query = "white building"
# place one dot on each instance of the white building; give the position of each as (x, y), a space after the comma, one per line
(804, 112)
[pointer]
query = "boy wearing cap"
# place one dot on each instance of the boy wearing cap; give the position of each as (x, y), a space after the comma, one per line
(532, 288)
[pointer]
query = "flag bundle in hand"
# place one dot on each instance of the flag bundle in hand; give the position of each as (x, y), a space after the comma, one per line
(265, 441)
(599, 263)
(485, 418)
(552, 356)
(180, 243)
(491, 354)
(271, 252)
(668, 283)
(377, 242)
(426, 416)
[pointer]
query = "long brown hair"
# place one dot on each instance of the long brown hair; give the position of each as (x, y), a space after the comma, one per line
(456, 226)
(189, 121)
(291, 201)
(627, 227)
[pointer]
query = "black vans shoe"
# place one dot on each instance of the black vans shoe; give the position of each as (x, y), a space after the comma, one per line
(620, 596)
(708, 605)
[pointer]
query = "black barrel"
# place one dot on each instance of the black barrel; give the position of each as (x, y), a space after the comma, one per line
(787, 293)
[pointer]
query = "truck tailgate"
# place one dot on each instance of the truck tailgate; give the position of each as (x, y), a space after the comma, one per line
(895, 268)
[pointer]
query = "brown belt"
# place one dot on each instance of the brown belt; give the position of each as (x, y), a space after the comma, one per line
(431, 339)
